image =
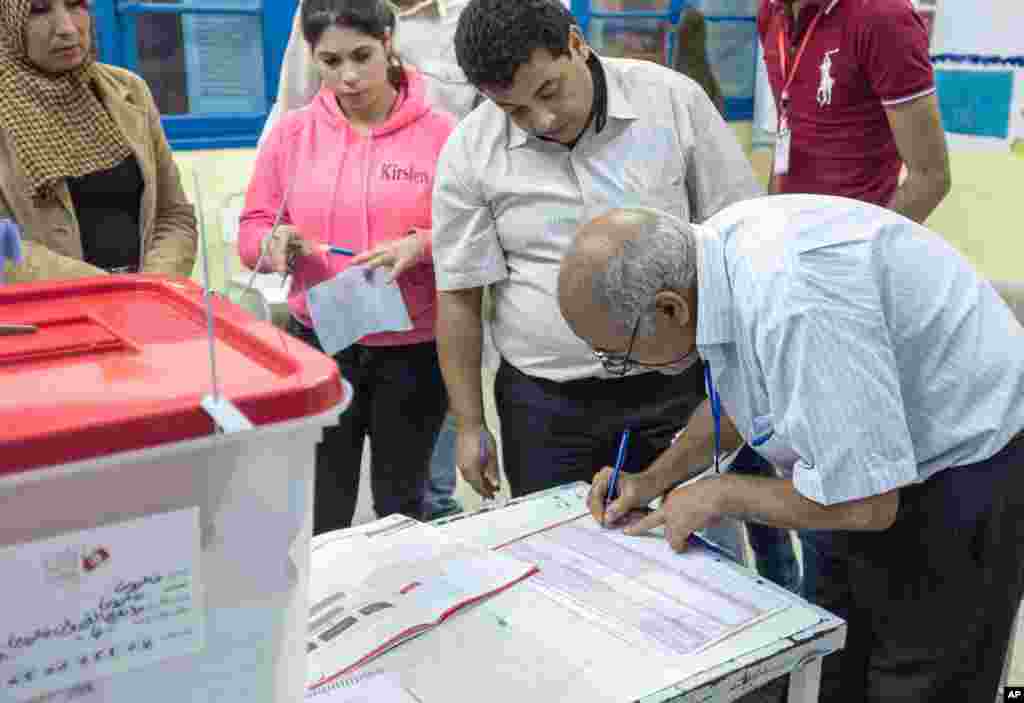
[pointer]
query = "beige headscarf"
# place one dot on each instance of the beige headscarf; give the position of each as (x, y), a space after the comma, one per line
(57, 126)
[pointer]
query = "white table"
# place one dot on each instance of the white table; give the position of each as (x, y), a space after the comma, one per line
(517, 647)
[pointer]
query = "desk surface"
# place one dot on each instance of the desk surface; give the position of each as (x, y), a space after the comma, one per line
(520, 646)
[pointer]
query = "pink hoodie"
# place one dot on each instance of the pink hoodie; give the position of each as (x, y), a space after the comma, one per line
(351, 191)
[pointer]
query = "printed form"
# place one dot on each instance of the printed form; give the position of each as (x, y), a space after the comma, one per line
(641, 591)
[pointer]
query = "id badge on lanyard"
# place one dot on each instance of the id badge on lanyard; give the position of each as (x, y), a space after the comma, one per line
(784, 139)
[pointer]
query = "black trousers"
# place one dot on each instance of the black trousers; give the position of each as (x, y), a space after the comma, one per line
(400, 403)
(929, 603)
(553, 433)
(774, 552)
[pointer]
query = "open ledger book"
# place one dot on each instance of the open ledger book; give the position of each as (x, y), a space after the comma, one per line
(377, 585)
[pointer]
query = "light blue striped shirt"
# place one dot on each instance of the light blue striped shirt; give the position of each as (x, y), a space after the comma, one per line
(853, 348)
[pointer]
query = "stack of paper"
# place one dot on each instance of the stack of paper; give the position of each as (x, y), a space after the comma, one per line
(377, 585)
(375, 687)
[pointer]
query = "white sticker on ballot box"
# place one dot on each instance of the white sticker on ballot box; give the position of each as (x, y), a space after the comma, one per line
(100, 602)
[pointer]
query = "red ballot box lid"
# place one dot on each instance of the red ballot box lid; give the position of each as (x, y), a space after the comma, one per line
(122, 363)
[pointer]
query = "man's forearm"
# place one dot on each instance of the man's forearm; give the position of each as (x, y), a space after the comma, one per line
(694, 451)
(459, 348)
(920, 194)
(776, 502)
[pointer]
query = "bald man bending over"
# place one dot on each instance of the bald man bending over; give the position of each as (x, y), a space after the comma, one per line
(891, 395)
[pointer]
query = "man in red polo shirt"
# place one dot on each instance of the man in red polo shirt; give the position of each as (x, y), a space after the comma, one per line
(855, 93)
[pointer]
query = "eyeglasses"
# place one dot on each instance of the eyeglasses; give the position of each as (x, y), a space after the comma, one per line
(621, 363)
(616, 362)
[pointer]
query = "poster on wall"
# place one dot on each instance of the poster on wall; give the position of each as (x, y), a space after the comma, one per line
(727, 8)
(978, 52)
(975, 103)
(224, 61)
(732, 50)
(639, 38)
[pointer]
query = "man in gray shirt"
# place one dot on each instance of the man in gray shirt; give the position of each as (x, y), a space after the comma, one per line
(565, 135)
(866, 358)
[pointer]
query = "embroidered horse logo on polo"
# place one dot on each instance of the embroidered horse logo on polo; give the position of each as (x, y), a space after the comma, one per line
(827, 81)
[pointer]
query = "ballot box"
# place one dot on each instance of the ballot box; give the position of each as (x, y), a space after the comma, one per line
(148, 552)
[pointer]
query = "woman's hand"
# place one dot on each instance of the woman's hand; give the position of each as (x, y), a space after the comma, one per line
(399, 255)
(284, 246)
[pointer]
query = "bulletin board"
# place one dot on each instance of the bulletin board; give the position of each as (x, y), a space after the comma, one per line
(647, 29)
(978, 52)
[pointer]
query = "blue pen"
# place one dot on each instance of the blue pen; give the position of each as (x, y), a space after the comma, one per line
(613, 484)
(338, 250)
(485, 455)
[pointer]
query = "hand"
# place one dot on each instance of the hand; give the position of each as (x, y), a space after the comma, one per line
(481, 472)
(635, 491)
(398, 254)
(284, 246)
(684, 511)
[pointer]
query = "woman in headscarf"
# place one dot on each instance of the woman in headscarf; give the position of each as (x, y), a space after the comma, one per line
(86, 173)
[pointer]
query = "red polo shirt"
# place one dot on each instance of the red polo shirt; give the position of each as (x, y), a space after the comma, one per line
(862, 56)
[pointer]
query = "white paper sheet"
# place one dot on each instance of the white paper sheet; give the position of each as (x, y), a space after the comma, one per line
(642, 592)
(357, 302)
(97, 603)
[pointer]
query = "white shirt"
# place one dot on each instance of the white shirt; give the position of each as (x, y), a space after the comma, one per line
(853, 348)
(507, 205)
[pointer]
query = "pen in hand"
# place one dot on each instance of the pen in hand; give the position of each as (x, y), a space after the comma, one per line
(340, 251)
(613, 483)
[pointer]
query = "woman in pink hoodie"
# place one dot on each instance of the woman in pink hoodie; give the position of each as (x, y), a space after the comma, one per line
(355, 169)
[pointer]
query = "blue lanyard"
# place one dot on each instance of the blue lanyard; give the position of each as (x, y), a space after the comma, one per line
(716, 412)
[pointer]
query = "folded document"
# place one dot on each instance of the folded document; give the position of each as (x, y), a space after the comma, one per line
(376, 585)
